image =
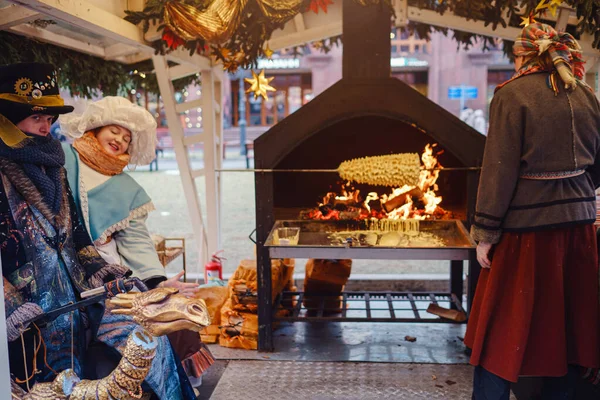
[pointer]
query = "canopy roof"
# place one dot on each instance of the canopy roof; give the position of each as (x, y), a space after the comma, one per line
(97, 27)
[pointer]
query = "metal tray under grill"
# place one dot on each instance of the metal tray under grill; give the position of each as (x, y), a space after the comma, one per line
(316, 241)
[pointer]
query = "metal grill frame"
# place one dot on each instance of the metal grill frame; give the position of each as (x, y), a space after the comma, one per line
(299, 312)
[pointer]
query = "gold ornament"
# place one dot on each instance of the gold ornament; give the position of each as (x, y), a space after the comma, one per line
(125, 381)
(60, 389)
(280, 11)
(259, 85)
(526, 21)
(162, 311)
(551, 5)
(159, 312)
(215, 24)
(218, 22)
(23, 86)
(267, 51)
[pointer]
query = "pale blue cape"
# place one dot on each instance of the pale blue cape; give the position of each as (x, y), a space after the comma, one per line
(118, 198)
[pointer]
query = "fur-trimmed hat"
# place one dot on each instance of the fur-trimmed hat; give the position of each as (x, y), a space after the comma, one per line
(112, 110)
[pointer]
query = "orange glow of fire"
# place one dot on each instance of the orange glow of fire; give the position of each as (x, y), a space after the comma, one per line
(427, 206)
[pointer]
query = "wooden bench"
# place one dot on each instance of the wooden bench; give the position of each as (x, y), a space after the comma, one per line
(249, 147)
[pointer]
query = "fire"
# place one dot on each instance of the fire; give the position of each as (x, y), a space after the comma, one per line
(407, 202)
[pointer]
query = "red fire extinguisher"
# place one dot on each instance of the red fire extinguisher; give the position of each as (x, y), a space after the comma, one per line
(213, 270)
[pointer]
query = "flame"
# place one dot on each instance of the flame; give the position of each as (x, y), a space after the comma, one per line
(426, 205)
(372, 196)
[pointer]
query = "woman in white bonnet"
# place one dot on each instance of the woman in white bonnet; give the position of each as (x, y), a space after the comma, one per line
(111, 134)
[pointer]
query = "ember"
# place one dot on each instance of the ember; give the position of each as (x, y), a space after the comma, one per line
(407, 202)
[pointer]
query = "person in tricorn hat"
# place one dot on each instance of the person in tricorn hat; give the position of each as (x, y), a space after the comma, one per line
(48, 258)
(536, 310)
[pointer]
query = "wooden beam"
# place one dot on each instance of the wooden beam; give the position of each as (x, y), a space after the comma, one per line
(299, 22)
(88, 17)
(197, 173)
(401, 9)
(181, 71)
(118, 50)
(181, 154)
(193, 139)
(44, 35)
(306, 36)
(188, 105)
(452, 21)
(14, 15)
(562, 20)
(456, 22)
(135, 58)
(182, 56)
(153, 33)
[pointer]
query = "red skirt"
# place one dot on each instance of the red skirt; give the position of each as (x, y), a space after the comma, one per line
(536, 310)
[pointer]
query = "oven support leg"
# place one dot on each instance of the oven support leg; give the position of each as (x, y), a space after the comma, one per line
(474, 270)
(265, 303)
(264, 223)
(456, 280)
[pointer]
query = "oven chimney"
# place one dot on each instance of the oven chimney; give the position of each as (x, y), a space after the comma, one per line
(367, 44)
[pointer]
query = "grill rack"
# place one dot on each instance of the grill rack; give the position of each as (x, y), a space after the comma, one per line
(366, 306)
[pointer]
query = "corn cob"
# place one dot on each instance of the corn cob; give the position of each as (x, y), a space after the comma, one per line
(390, 170)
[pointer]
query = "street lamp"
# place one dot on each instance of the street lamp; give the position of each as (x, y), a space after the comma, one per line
(242, 123)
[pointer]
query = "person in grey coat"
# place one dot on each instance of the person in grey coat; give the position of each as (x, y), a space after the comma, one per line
(536, 309)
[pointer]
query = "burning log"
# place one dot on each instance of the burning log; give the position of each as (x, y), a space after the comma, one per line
(415, 194)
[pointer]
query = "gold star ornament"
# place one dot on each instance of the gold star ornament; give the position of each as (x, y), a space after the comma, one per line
(528, 20)
(551, 5)
(259, 85)
(267, 51)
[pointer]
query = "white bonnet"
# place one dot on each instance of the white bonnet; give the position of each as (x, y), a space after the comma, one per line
(112, 110)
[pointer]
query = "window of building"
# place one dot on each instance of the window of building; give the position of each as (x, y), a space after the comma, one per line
(495, 78)
(292, 92)
(418, 80)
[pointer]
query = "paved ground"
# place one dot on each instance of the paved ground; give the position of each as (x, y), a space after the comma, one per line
(171, 217)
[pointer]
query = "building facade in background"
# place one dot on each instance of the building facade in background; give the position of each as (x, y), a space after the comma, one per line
(453, 78)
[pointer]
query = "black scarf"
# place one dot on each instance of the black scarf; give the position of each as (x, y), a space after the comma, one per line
(42, 159)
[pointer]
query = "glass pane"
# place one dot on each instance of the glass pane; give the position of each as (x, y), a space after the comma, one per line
(294, 98)
(308, 96)
(254, 106)
(280, 104)
(270, 110)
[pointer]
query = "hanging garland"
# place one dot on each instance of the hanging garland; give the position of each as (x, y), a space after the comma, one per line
(81, 74)
(508, 13)
(84, 75)
(235, 32)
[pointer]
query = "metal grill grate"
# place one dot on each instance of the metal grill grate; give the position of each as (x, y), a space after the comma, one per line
(364, 306)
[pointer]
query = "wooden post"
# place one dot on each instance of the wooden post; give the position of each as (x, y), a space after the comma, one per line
(264, 223)
(187, 179)
(209, 124)
(218, 154)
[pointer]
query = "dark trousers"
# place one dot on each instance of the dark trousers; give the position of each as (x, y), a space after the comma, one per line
(487, 386)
